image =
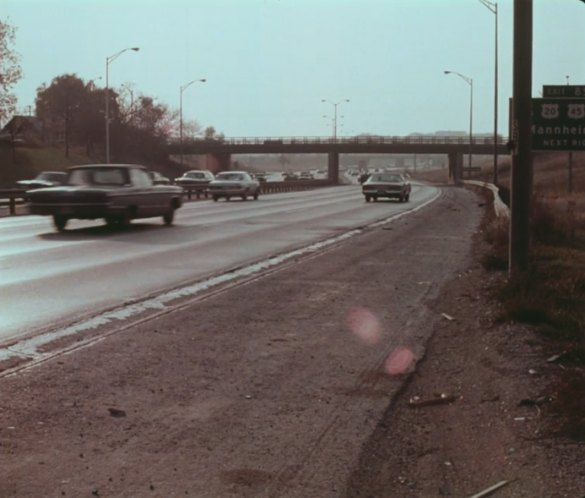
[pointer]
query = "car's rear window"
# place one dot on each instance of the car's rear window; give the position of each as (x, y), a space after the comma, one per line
(53, 177)
(386, 178)
(97, 176)
(229, 176)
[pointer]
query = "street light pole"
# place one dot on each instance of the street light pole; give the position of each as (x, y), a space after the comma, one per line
(335, 104)
(181, 90)
(108, 60)
(469, 81)
(493, 7)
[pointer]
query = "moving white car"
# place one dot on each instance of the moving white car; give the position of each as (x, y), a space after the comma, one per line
(230, 184)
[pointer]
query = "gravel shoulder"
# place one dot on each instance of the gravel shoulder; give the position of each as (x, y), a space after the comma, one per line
(474, 414)
(264, 391)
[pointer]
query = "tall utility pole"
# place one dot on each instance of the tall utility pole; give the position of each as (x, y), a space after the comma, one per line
(182, 88)
(107, 94)
(335, 104)
(469, 81)
(521, 138)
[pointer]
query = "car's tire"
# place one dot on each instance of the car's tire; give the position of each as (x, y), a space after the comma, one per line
(244, 197)
(169, 217)
(111, 221)
(367, 198)
(375, 197)
(215, 197)
(227, 197)
(60, 222)
(125, 218)
(407, 198)
(256, 194)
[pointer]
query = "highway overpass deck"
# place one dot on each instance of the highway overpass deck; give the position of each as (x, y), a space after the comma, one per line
(343, 145)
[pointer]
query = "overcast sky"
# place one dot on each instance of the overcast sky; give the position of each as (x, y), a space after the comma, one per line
(269, 63)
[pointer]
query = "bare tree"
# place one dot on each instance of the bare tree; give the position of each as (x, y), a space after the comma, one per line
(10, 71)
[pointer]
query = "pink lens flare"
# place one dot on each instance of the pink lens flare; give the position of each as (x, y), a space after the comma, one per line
(364, 324)
(398, 361)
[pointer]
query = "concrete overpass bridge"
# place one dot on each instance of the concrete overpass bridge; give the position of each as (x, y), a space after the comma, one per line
(219, 152)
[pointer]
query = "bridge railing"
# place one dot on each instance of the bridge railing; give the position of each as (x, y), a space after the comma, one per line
(371, 139)
(11, 198)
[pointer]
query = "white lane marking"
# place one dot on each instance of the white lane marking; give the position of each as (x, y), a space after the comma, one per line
(29, 348)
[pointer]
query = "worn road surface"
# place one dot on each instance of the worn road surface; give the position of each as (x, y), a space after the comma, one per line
(274, 388)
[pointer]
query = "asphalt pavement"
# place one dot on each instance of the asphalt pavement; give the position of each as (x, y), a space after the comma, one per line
(268, 388)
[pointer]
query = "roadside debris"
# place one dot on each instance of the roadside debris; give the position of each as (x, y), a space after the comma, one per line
(447, 317)
(535, 402)
(491, 489)
(443, 399)
(556, 357)
(115, 412)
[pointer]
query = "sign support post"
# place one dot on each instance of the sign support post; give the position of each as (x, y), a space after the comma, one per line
(521, 190)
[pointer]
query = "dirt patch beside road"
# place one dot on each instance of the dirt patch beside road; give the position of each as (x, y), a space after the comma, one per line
(497, 423)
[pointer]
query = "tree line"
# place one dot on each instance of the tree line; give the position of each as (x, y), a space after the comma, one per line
(71, 111)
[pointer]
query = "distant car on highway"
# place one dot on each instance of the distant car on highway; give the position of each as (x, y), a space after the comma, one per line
(391, 185)
(289, 176)
(195, 178)
(230, 184)
(43, 179)
(118, 193)
(158, 178)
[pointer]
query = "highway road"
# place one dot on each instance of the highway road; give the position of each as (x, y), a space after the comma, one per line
(50, 279)
(274, 384)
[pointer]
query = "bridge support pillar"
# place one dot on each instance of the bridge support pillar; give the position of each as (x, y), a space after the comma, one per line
(456, 167)
(333, 167)
(218, 161)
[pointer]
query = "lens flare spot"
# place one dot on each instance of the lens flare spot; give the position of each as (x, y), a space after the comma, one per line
(398, 361)
(364, 324)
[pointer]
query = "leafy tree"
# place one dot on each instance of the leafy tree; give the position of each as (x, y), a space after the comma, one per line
(149, 116)
(140, 127)
(90, 125)
(61, 104)
(141, 134)
(210, 133)
(10, 71)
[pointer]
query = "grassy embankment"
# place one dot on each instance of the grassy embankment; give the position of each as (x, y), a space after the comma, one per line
(550, 296)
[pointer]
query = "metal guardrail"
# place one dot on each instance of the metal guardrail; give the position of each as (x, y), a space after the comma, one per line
(265, 187)
(12, 197)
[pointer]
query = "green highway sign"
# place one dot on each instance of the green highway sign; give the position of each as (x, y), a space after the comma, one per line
(558, 124)
(563, 91)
